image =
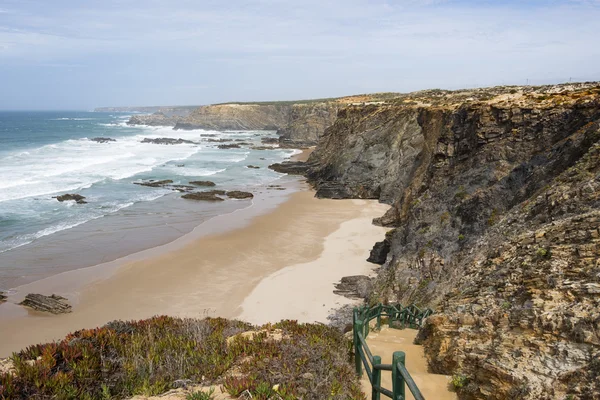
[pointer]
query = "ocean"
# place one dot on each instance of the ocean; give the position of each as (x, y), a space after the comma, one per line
(47, 154)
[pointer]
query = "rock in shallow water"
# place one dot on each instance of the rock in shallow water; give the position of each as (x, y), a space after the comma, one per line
(167, 141)
(205, 196)
(79, 199)
(153, 183)
(237, 194)
(103, 140)
(53, 304)
(202, 183)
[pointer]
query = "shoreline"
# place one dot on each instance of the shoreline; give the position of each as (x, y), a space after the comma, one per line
(207, 275)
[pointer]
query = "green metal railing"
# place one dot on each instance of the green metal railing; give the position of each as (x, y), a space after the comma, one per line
(398, 317)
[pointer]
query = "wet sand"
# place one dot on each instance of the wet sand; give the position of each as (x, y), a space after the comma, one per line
(211, 275)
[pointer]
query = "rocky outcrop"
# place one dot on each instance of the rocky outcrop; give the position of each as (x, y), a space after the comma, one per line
(205, 196)
(77, 198)
(154, 183)
(53, 304)
(495, 199)
(229, 146)
(379, 252)
(2, 297)
(354, 287)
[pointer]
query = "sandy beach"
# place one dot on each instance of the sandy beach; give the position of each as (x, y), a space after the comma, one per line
(281, 264)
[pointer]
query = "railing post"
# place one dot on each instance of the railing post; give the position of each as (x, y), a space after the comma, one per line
(398, 387)
(355, 327)
(376, 379)
(379, 307)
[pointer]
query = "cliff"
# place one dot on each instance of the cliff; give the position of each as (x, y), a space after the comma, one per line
(495, 199)
(299, 123)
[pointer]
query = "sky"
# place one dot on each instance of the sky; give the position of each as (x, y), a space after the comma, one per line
(81, 54)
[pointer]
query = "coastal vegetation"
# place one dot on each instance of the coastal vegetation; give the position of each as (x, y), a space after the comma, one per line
(149, 357)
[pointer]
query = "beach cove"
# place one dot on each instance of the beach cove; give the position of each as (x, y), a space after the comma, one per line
(254, 272)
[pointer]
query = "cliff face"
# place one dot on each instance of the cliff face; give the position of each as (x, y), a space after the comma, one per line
(495, 200)
(307, 122)
(297, 124)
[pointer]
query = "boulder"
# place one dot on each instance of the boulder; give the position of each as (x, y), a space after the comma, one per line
(237, 194)
(53, 304)
(153, 183)
(167, 141)
(379, 252)
(252, 167)
(103, 140)
(204, 196)
(2, 297)
(290, 167)
(79, 199)
(202, 183)
(354, 287)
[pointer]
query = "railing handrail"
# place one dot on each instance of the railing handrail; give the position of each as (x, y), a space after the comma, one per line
(362, 317)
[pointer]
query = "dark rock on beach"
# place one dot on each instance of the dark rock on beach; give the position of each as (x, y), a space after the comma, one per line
(290, 167)
(202, 183)
(237, 194)
(205, 196)
(79, 199)
(2, 297)
(167, 141)
(103, 140)
(53, 304)
(354, 287)
(379, 252)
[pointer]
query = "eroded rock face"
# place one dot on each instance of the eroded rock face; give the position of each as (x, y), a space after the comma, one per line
(495, 199)
(53, 304)
(379, 252)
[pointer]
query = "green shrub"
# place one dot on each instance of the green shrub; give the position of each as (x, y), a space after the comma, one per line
(543, 253)
(459, 381)
(461, 237)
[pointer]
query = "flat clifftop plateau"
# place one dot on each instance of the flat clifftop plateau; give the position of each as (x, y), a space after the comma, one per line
(495, 199)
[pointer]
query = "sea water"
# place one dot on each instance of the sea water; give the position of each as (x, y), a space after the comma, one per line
(46, 154)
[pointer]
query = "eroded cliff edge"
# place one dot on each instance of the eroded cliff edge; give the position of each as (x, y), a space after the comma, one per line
(496, 209)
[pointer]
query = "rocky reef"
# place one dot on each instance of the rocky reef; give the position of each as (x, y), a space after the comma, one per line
(495, 209)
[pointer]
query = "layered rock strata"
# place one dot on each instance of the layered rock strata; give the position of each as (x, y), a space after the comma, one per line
(495, 209)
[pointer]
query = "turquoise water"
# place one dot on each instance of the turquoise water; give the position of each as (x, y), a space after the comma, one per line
(45, 154)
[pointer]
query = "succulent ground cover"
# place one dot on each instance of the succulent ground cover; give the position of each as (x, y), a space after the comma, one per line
(121, 359)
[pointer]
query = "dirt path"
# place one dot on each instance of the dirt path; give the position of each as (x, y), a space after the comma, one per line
(385, 342)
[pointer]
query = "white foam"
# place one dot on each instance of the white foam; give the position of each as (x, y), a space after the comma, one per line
(76, 164)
